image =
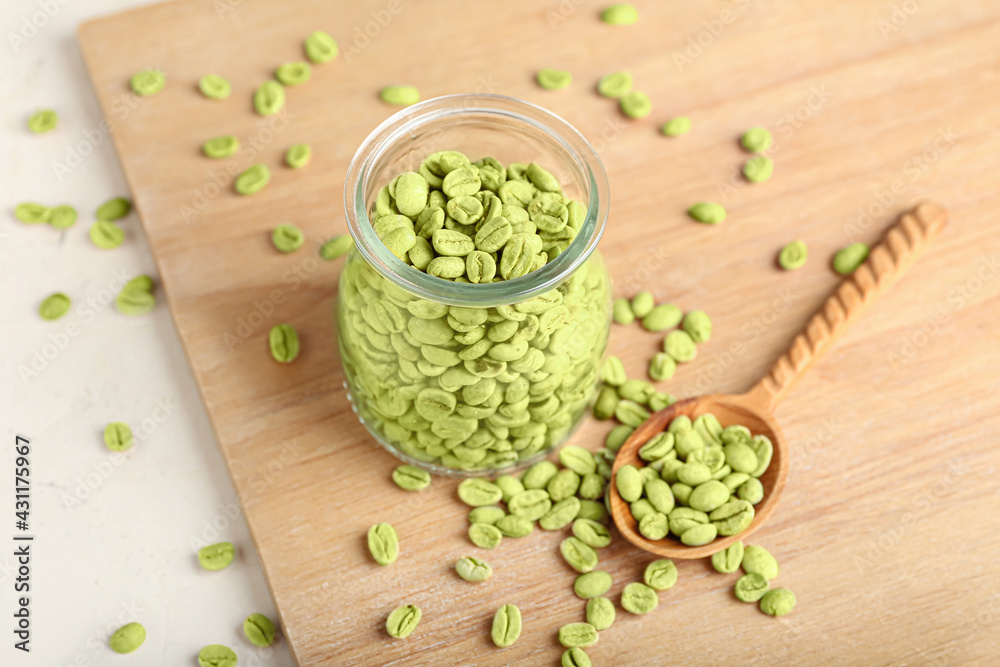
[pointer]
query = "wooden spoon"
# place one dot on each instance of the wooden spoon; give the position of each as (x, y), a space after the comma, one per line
(901, 246)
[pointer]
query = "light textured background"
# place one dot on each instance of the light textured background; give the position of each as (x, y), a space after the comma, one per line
(115, 537)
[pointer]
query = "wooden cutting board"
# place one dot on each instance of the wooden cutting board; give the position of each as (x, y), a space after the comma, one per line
(885, 530)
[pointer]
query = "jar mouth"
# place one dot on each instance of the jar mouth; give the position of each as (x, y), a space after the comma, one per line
(404, 125)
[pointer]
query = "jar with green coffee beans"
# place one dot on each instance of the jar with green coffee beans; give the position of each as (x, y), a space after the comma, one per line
(474, 312)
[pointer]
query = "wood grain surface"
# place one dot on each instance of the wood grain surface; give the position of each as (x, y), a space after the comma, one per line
(883, 530)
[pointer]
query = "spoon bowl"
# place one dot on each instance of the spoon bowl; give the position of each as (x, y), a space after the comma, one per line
(900, 247)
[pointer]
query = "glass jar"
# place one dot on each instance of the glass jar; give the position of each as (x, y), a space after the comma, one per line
(544, 334)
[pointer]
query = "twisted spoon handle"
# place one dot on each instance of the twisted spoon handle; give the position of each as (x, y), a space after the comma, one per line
(901, 246)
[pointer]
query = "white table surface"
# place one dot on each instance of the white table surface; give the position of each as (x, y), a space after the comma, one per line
(115, 534)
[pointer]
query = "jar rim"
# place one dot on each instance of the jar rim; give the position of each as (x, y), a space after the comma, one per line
(400, 125)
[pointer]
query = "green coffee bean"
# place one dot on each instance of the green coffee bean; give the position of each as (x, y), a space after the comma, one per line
(728, 560)
(577, 459)
(214, 87)
(708, 496)
(642, 304)
(298, 155)
(113, 209)
(573, 635)
(136, 297)
(592, 584)
(509, 485)
(681, 493)
(662, 317)
(591, 485)
(615, 85)
(635, 104)
(252, 180)
(662, 367)
(756, 140)
(654, 526)
(637, 391)
(32, 213)
(106, 234)
(403, 621)
(321, 48)
(707, 212)
(383, 543)
(751, 491)
(287, 238)
(506, 626)
(733, 480)
(593, 511)
(43, 121)
(639, 598)
(628, 481)
(411, 478)
(641, 508)
(680, 346)
(220, 147)
(764, 449)
(216, 655)
(485, 536)
(269, 98)
(216, 556)
(284, 342)
(515, 526)
(487, 515)
(575, 657)
(698, 325)
(622, 312)
(292, 74)
(793, 255)
(54, 306)
(532, 504)
(777, 602)
(147, 82)
(538, 475)
(591, 533)
(631, 413)
(849, 259)
(561, 515)
(660, 400)
(259, 629)
(694, 473)
(578, 555)
(613, 372)
(554, 79)
(62, 217)
(676, 126)
(660, 575)
(600, 611)
(402, 96)
(478, 492)
(750, 587)
(758, 169)
(620, 14)
(660, 496)
(127, 638)
(336, 247)
(617, 437)
(563, 485)
(473, 569)
(758, 560)
(607, 402)
(697, 536)
(118, 436)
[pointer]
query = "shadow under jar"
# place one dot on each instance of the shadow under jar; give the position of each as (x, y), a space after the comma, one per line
(473, 378)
